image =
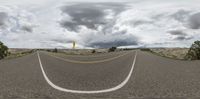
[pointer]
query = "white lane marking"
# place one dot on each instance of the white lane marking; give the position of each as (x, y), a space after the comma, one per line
(87, 92)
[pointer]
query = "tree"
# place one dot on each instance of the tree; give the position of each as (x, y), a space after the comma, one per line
(112, 49)
(93, 51)
(55, 50)
(194, 51)
(3, 50)
(145, 49)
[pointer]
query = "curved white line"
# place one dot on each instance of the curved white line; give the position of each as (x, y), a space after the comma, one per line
(87, 92)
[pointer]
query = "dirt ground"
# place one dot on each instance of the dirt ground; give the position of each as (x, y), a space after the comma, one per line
(175, 53)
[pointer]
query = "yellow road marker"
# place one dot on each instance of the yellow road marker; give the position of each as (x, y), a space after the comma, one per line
(74, 44)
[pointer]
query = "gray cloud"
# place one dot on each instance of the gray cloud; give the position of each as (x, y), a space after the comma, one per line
(181, 15)
(27, 28)
(180, 38)
(107, 24)
(179, 35)
(3, 18)
(108, 41)
(90, 15)
(93, 15)
(62, 40)
(194, 21)
(141, 22)
(113, 43)
(177, 32)
(69, 25)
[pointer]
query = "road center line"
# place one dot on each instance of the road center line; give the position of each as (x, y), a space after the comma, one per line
(88, 62)
(97, 55)
(87, 92)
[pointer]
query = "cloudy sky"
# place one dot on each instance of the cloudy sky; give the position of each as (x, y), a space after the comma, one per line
(99, 24)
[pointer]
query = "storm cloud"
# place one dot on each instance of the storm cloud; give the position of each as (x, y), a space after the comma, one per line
(181, 15)
(177, 32)
(27, 28)
(90, 15)
(99, 18)
(194, 21)
(95, 24)
(3, 18)
(179, 35)
(107, 41)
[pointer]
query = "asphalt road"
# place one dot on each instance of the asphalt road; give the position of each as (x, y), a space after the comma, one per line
(152, 77)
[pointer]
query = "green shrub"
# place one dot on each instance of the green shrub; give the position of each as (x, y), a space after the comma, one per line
(48, 50)
(93, 51)
(145, 49)
(27, 52)
(55, 50)
(194, 51)
(127, 49)
(3, 50)
(112, 49)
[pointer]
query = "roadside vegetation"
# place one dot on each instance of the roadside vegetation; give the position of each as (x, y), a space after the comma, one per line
(55, 50)
(173, 53)
(6, 53)
(19, 54)
(112, 49)
(3, 50)
(194, 51)
(145, 49)
(93, 51)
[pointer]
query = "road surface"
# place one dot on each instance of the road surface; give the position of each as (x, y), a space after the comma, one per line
(119, 75)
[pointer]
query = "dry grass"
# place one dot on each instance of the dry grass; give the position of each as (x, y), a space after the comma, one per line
(175, 53)
(14, 53)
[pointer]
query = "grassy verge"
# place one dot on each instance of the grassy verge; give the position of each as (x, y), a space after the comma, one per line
(172, 53)
(19, 54)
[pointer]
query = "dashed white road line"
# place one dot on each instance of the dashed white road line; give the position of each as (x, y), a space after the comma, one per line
(87, 92)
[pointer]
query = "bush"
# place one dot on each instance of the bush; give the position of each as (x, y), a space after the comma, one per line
(93, 51)
(3, 50)
(112, 49)
(48, 50)
(194, 51)
(127, 49)
(55, 50)
(145, 49)
(27, 52)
